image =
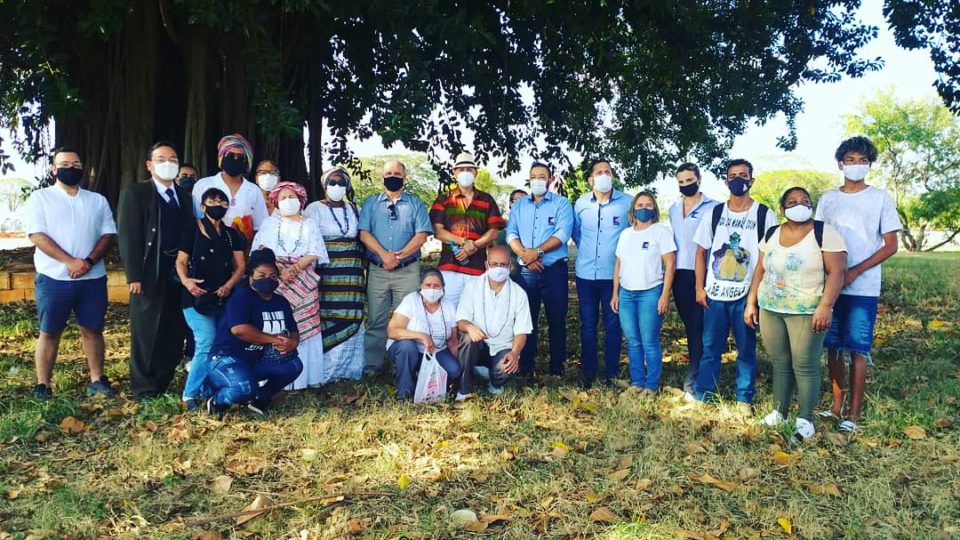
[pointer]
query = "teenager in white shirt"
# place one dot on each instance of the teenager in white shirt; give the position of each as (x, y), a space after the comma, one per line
(642, 279)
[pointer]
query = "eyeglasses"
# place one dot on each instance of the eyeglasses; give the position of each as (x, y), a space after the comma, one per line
(332, 182)
(393, 212)
(499, 265)
(216, 202)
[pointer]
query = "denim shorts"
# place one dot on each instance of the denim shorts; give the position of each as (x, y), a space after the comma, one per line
(86, 298)
(851, 330)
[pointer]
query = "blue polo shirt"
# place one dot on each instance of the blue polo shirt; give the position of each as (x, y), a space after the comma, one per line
(393, 229)
(685, 227)
(534, 222)
(596, 230)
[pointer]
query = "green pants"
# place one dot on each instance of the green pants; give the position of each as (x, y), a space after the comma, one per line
(794, 350)
(385, 290)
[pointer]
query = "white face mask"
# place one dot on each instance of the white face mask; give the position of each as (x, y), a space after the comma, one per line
(465, 179)
(498, 274)
(799, 214)
(167, 170)
(538, 187)
(855, 172)
(336, 193)
(289, 207)
(432, 296)
(268, 181)
(603, 183)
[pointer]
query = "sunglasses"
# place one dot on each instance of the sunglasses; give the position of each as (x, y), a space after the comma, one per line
(332, 182)
(393, 212)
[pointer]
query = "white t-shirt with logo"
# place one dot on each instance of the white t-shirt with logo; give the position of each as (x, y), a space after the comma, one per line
(861, 218)
(438, 324)
(641, 256)
(732, 253)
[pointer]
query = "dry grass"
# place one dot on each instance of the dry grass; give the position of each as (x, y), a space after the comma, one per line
(552, 462)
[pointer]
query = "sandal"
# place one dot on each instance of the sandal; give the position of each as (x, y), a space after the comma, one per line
(847, 426)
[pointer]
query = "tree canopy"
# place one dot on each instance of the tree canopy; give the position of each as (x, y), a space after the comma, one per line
(647, 83)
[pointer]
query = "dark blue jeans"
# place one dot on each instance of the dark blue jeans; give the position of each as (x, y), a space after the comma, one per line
(406, 357)
(595, 295)
(691, 313)
(236, 381)
(722, 318)
(552, 288)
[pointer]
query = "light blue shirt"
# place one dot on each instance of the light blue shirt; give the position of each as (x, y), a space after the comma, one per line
(596, 229)
(534, 223)
(685, 227)
(393, 234)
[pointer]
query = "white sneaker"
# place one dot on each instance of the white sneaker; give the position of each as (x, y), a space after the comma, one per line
(805, 429)
(462, 397)
(494, 390)
(773, 419)
(688, 397)
(482, 371)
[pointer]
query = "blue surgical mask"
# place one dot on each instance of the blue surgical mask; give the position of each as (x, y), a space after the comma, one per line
(643, 215)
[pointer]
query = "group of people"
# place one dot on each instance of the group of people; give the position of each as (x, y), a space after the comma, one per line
(277, 293)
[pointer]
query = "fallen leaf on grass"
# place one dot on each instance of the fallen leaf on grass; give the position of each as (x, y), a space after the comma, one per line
(12, 494)
(936, 324)
(72, 425)
(591, 497)
(617, 476)
(403, 482)
(603, 514)
(710, 480)
(259, 503)
(308, 454)
(245, 464)
(178, 434)
(221, 484)
(643, 484)
(206, 535)
(785, 525)
(943, 423)
(838, 439)
(915, 432)
(746, 474)
(825, 489)
(781, 458)
(464, 518)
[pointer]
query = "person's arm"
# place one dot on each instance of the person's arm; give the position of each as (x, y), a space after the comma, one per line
(669, 266)
(251, 334)
(441, 233)
(190, 284)
(615, 297)
(46, 244)
(132, 238)
(397, 330)
(562, 230)
(453, 342)
(511, 360)
(238, 268)
(751, 312)
(575, 233)
(834, 266)
(473, 331)
(700, 271)
(413, 246)
(889, 248)
(100, 250)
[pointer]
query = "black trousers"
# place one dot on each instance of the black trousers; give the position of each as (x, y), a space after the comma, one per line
(691, 313)
(157, 331)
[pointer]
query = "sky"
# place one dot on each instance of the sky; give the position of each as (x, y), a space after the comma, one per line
(819, 130)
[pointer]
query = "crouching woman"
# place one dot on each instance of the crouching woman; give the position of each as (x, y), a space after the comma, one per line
(254, 354)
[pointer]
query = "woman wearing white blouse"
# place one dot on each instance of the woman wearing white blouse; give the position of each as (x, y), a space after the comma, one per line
(642, 279)
(298, 245)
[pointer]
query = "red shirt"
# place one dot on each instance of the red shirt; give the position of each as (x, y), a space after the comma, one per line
(470, 222)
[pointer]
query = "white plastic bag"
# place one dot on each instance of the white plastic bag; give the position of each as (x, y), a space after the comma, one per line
(431, 382)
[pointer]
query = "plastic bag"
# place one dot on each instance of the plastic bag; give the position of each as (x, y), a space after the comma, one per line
(431, 382)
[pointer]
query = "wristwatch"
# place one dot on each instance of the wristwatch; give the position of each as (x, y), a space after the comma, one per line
(539, 252)
(89, 261)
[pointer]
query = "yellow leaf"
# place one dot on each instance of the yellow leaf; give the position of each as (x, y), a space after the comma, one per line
(936, 323)
(915, 432)
(12, 494)
(259, 503)
(245, 464)
(72, 425)
(747, 474)
(403, 482)
(617, 476)
(781, 457)
(785, 524)
(644, 483)
(222, 483)
(604, 514)
(561, 444)
(710, 480)
(591, 497)
(308, 454)
(825, 489)
(490, 519)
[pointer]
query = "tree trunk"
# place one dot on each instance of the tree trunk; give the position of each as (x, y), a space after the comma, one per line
(945, 242)
(139, 63)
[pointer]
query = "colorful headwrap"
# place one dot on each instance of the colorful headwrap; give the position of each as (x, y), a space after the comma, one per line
(292, 186)
(234, 141)
(338, 169)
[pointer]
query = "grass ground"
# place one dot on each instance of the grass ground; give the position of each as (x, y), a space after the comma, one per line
(552, 462)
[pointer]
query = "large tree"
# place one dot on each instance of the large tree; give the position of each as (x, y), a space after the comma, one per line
(646, 82)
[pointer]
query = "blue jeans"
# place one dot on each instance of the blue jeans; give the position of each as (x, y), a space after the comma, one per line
(641, 326)
(851, 330)
(722, 318)
(204, 328)
(236, 381)
(406, 358)
(552, 287)
(595, 295)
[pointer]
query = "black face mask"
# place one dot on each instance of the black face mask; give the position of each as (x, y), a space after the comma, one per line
(738, 186)
(70, 176)
(187, 182)
(265, 285)
(234, 165)
(690, 190)
(393, 183)
(216, 212)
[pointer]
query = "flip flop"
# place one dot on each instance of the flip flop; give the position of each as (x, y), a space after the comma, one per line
(847, 426)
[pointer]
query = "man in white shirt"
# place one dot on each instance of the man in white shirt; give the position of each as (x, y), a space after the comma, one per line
(247, 208)
(494, 319)
(72, 229)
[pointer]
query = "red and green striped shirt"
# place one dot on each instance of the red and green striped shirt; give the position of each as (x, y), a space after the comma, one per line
(470, 222)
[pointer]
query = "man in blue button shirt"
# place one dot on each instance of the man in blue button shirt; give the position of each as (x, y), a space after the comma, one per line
(540, 226)
(393, 226)
(598, 219)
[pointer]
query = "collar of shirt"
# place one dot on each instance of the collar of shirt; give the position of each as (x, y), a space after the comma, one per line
(614, 195)
(162, 189)
(405, 197)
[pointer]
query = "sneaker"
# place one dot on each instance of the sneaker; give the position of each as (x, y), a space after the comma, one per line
(482, 371)
(494, 390)
(462, 397)
(586, 383)
(101, 386)
(804, 429)
(191, 404)
(42, 392)
(688, 397)
(212, 408)
(257, 407)
(774, 419)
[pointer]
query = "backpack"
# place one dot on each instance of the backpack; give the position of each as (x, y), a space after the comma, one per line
(817, 232)
(761, 219)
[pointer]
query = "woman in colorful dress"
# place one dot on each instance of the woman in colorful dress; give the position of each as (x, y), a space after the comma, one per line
(298, 244)
(342, 289)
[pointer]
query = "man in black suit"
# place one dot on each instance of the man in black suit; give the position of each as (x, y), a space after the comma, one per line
(152, 215)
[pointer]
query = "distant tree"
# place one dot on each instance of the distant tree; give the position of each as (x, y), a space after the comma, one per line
(919, 145)
(770, 185)
(13, 192)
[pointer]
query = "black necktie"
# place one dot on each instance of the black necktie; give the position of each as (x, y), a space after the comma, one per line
(171, 198)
